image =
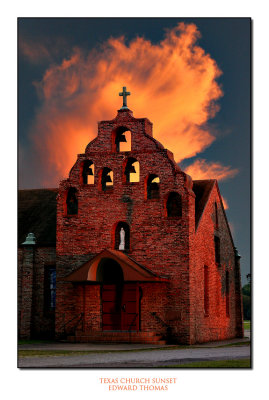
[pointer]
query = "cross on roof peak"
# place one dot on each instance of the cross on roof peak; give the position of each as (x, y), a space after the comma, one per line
(124, 94)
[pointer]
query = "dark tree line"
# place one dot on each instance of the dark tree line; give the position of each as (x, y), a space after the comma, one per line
(246, 292)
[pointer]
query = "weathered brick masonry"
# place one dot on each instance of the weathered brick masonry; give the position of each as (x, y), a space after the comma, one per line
(166, 282)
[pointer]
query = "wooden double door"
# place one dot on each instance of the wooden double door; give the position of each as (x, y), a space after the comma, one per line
(120, 307)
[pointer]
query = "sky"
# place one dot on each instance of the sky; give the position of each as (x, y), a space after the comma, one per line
(190, 77)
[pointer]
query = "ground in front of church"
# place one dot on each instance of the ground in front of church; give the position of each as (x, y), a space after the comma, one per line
(232, 353)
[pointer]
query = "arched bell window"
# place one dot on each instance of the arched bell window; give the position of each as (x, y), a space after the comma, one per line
(174, 205)
(122, 236)
(153, 187)
(87, 173)
(132, 170)
(121, 139)
(106, 179)
(71, 202)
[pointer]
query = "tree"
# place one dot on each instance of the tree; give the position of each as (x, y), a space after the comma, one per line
(246, 291)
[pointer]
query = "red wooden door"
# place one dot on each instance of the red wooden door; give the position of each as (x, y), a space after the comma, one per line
(120, 307)
(111, 303)
(130, 308)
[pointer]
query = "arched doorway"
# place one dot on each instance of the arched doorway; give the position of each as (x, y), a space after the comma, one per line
(109, 272)
(120, 300)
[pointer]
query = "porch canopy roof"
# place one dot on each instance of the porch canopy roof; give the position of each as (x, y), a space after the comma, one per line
(132, 271)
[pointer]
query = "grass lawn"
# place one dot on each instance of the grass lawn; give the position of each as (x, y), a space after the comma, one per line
(246, 343)
(36, 341)
(243, 363)
(53, 353)
(247, 325)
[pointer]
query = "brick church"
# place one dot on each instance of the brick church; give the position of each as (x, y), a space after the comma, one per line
(128, 249)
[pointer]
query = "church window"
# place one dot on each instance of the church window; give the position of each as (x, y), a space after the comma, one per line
(72, 202)
(121, 139)
(87, 173)
(107, 179)
(216, 215)
(217, 249)
(173, 205)
(206, 294)
(122, 236)
(227, 294)
(153, 187)
(132, 171)
(49, 288)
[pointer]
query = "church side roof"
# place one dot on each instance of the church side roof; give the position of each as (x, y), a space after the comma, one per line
(202, 190)
(37, 214)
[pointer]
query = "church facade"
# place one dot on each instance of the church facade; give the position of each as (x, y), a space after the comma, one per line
(128, 249)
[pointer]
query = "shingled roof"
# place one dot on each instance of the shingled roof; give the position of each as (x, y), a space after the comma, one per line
(202, 189)
(37, 211)
(37, 214)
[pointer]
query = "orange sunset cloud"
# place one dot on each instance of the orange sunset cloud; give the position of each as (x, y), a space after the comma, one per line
(173, 83)
(201, 169)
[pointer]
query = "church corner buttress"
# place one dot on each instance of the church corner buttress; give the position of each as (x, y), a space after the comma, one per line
(143, 253)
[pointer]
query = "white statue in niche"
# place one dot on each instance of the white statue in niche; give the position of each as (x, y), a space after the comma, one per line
(122, 239)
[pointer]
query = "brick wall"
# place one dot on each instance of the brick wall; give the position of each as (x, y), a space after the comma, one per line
(33, 320)
(216, 325)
